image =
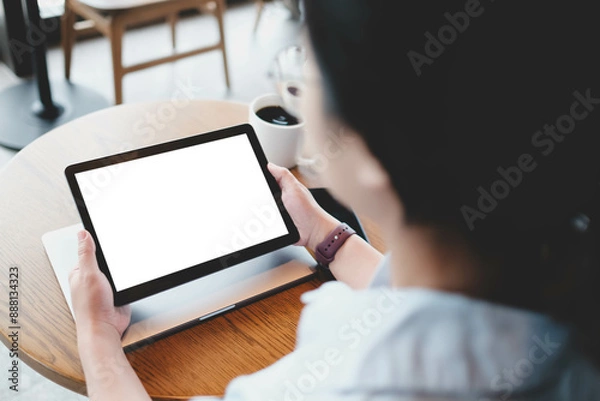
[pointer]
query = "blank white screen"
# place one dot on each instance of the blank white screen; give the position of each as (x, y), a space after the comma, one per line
(160, 214)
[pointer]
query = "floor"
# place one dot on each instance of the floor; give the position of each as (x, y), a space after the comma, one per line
(250, 55)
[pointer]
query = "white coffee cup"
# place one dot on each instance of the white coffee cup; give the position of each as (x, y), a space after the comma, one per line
(279, 142)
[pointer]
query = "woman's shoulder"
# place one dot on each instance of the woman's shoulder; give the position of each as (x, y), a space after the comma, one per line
(335, 300)
(439, 341)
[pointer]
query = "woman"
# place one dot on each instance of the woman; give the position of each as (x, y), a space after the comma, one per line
(468, 132)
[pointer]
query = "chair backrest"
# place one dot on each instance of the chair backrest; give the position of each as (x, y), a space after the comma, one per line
(115, 5)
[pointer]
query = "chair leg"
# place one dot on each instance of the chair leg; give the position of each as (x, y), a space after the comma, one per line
(219, 13)
(116, 44)
(260, 4)
(172, 19)
(67, 37)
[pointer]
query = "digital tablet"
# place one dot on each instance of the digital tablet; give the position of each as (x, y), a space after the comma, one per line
(170, 213)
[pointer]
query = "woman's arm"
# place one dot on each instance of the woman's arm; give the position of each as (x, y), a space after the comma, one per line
(108, 374)
(100, 325)
(355, 261)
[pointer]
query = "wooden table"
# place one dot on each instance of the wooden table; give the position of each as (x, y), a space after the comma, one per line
(34, 199)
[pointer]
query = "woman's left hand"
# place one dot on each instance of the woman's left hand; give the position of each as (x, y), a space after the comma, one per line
(91, 294)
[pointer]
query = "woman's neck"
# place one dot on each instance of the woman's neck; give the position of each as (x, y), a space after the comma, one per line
(427, 258)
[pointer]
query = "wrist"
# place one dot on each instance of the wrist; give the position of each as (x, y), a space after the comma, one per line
(322, 230)
(327, 250)
(96, 346)
(91, 332)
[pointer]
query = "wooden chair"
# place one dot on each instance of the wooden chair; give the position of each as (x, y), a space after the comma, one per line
(260, 5)
(112, 17)
(292, 5)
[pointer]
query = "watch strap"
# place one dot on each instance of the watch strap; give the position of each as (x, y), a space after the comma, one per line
(326, 250)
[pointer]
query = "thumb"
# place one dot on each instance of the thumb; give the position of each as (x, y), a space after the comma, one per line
(86, 251)
(275, 170)
(281, 174)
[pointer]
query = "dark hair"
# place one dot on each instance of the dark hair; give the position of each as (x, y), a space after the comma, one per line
(484, 116)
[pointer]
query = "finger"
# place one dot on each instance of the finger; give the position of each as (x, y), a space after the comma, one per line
(275, 170)
(86, 252)
(282, 175)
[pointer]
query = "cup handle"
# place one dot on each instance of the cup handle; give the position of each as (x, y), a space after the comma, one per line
(305, 164)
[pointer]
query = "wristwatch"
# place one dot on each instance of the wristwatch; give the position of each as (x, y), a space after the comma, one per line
(326, 250)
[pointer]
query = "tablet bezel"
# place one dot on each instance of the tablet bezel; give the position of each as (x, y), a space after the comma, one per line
(190, 273)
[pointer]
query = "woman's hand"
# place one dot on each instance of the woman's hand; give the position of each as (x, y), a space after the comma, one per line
(91, 293)
(312, 221)
(100, 326)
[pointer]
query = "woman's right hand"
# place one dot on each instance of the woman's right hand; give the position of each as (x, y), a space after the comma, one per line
(312, 221)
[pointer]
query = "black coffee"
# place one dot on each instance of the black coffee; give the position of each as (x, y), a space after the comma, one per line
(276, 115)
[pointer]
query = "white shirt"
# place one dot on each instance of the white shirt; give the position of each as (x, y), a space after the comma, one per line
(386, 344)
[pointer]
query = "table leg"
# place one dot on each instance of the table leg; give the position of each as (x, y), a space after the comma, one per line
(29, 110)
